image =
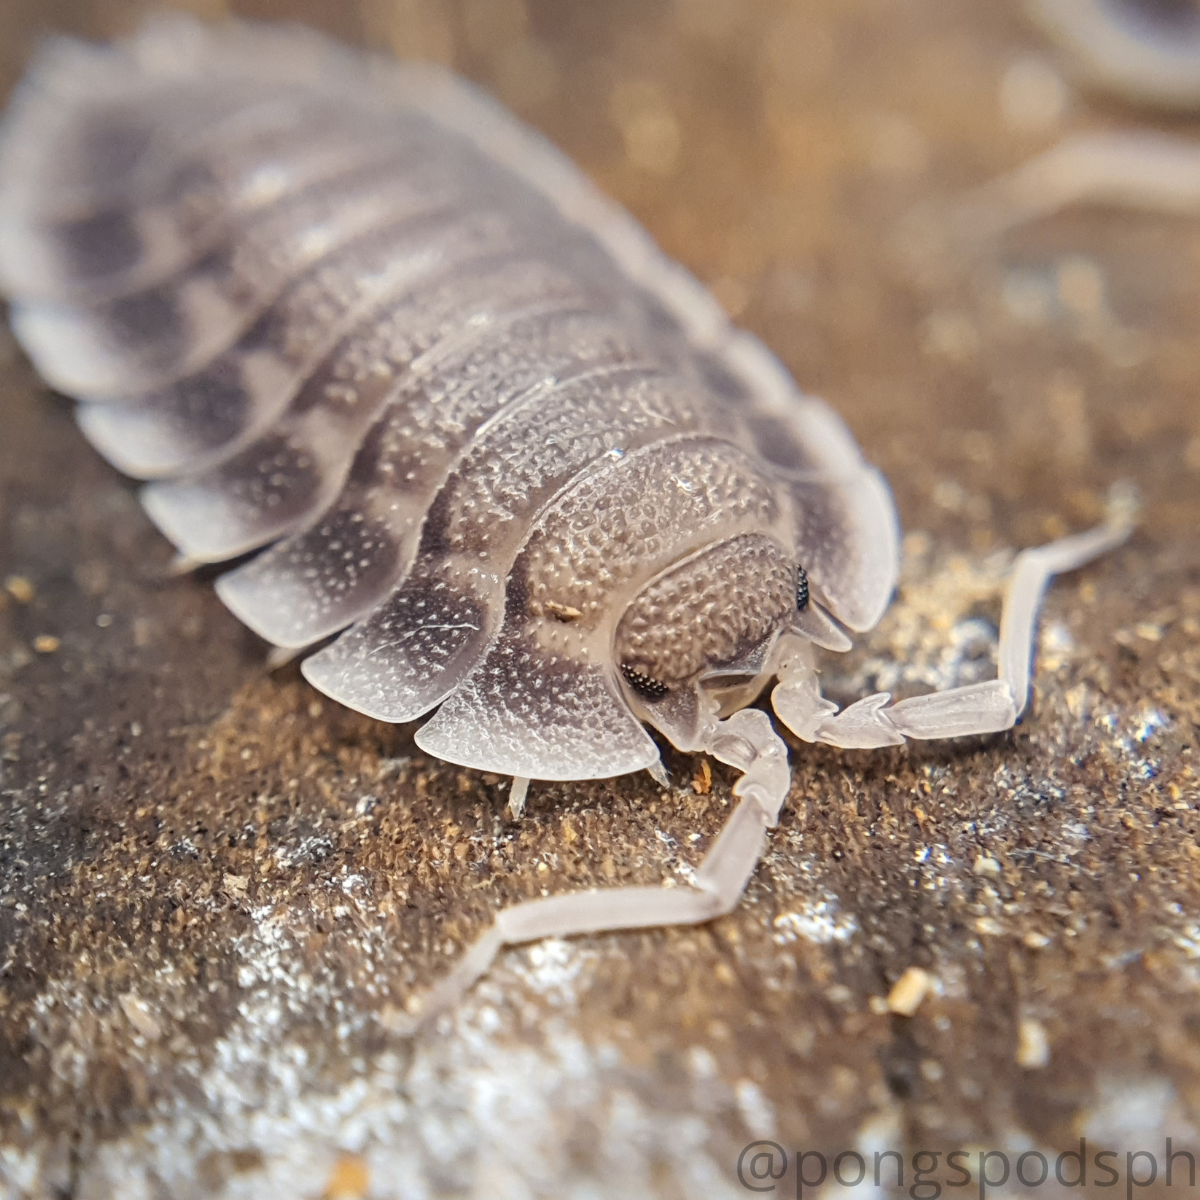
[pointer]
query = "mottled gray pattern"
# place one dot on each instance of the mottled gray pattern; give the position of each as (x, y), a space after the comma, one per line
(476, 525)
(354, 311)
(313, 583)
(591, 552)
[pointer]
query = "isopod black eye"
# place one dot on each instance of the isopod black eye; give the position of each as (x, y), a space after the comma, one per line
(801, 588)
(645, 685)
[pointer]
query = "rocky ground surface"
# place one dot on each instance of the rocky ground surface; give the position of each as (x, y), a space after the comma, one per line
(218, 890)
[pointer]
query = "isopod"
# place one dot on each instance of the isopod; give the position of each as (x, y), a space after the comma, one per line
(481, 433)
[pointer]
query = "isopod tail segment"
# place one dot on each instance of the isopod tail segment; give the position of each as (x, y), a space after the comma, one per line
(748, 742)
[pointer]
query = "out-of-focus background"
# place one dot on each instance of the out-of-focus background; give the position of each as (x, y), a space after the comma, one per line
(218, 890)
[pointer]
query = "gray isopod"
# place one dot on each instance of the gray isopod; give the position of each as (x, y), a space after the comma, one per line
(484, 435)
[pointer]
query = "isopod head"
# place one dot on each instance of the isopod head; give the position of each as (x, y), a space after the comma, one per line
(699, 637)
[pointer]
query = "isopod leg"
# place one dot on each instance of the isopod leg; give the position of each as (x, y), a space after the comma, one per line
(516, 796)
(957, 712)
(1032, 573)
(1150, 171)
(747, 741)
(1145, 53)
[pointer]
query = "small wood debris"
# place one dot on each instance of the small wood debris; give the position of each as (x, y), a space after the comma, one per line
(563, 612)
(350, 1179)
(909, 991)
(20, 589)
(235, 886)
(46, 643)
(702, 781)
(1033, 1044)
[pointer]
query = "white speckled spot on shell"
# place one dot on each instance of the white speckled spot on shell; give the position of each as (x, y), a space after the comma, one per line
(351, 315)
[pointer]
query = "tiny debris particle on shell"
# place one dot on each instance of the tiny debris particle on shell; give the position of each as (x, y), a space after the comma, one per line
(564, 612)
(909, 991)
(46, 643)
(702, 782)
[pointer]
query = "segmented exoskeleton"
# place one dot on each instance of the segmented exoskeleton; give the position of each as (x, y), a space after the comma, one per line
(515, 462)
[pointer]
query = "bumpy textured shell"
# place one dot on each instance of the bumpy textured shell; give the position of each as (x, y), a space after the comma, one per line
(352, 315)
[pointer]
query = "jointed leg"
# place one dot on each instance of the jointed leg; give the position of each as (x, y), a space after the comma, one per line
(1142, 52)
(957, 712)
(1150, 171)
(516, 797)
(746, 740)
